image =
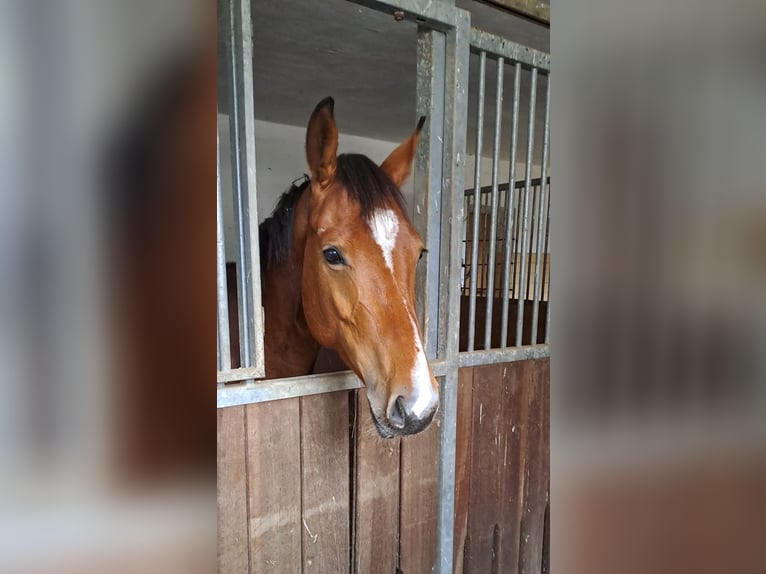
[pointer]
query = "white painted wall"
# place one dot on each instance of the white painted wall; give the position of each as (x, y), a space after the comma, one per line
(280, 158)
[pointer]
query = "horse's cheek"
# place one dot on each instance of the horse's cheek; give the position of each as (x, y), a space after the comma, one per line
(316, 315)
(345, 298)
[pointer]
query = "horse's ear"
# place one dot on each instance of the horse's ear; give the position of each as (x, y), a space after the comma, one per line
(322, 143)
(398, 165)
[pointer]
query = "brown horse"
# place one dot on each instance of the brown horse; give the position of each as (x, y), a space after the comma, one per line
(339, 257)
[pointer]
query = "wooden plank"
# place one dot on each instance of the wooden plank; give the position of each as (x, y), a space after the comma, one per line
(516, 382)
(232, 492)
(325, 483)
(535, 480)
(274, 486)
(376, 496)
(488, 448)
(546, 415)
(419, 501)
(463, 446)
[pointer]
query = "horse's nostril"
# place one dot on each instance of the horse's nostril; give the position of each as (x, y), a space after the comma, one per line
(396, 413)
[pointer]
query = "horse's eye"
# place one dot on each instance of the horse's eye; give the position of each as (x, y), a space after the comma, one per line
(333, 256)
(422, 252)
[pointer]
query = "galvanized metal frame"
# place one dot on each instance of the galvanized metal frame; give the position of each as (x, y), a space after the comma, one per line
(476, 201)
(530, 232)
(242, 135)
(444, 43)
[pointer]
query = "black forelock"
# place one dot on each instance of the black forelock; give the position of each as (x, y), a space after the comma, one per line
(364, 182)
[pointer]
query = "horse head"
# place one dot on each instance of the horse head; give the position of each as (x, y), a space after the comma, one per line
(358, 280)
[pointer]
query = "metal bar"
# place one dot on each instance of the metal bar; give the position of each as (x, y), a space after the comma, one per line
(262, 391)
(532, 227)
(476, 202)
(515, 239)
(247, 128)
(525, 217)
(456, 80)
(237, 183)
(499, 46)
(427, 182)
(532, 9)
(224, 342)
(548, 315)
(237, 375)
(494, 208)
(249, 392)
(437, 15)
(546, 290)
(507, 355)
(539, 241)
(508, 237)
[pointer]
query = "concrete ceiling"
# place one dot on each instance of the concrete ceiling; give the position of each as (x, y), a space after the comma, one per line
(304, 50)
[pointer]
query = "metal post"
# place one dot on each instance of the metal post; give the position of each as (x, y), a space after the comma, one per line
(427, 181)
(509, 208)
(494, 207)
(239, 183)
(543, 195)
(476, 202)
(533, 225)
(516, 236)
(456, 81)
(250, 271)
(525, 217)
(224, 344)
(546, 290)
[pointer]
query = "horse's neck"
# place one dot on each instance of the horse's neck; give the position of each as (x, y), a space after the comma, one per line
(289, 347)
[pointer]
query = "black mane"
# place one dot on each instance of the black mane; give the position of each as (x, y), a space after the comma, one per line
(363, 179)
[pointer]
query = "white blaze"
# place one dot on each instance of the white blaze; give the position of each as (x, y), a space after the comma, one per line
(420, 375)
(385, 227)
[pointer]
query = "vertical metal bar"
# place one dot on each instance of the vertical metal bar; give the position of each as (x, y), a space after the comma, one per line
(548, 312)
(525, 217)
(476, 202)
(540, 221)
(494, 207)
(456, 80)
(251, 265)
(532, 228)
(238, 184)
(427, 181)
(224, 344)
(547, 272)
(546, 290)
(509, 210)
(516, 240)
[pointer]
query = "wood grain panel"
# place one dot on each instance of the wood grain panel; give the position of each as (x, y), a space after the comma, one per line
(419, 500)
(488, 448)
(376, 496)
(274, 484)
(535, 483)
(325, 483)
(232, 492)
(517, 382)
(463, 446)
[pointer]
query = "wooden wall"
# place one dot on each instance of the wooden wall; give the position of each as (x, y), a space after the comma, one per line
(306, 484)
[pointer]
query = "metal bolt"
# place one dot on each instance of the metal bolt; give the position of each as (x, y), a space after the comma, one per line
(398, 15)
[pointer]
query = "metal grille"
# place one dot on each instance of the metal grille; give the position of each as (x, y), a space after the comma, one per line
(512, 220)
(512, 243)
